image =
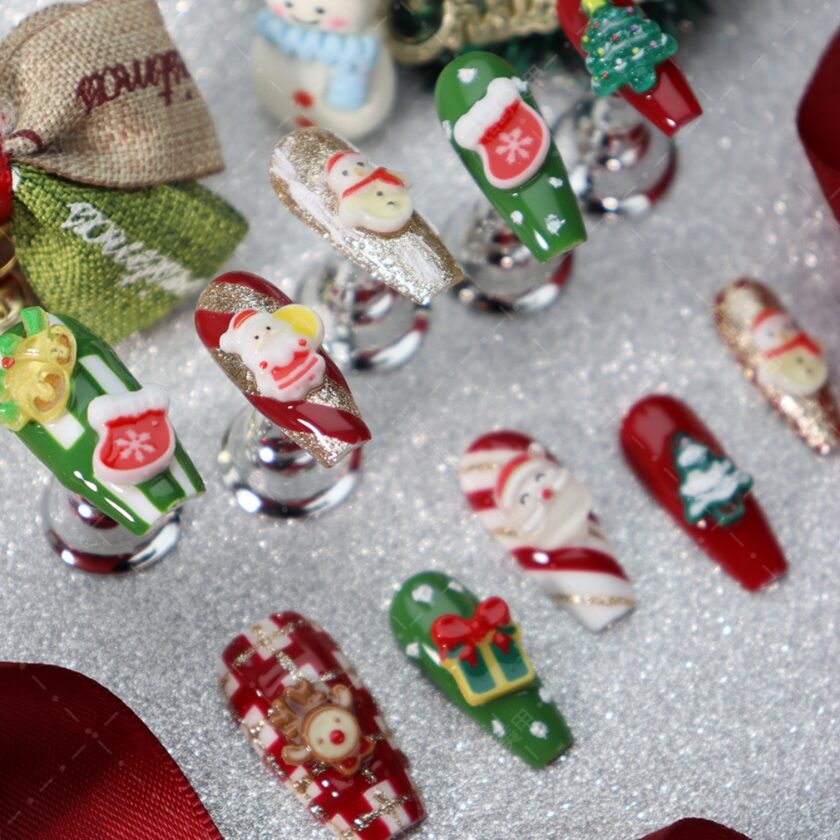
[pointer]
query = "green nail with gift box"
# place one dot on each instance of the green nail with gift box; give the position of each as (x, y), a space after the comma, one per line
(495, 126)
(473, 653)
(69, 398)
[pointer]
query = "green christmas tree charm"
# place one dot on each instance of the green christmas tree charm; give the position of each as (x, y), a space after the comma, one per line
(473, 653)
(623, 48)
(710, 485)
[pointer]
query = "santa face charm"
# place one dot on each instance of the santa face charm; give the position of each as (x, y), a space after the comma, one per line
(280, 349)
(686, 470)
(316, 726)
(270, 349)
(322, 62)
(72, 402)
(375, 199)
(473, 653)
(543, 515)
(496, 129)
(781, 359)
(365, 212)
(628, 54)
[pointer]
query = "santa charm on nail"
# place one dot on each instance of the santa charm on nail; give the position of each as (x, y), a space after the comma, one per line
(543, 516)
(781, 359)
(280, 348)
(323, 62)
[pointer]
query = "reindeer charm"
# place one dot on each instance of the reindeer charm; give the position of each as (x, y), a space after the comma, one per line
(320, 727)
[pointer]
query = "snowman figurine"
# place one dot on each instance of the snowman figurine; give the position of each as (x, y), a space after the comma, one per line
(322, 62)
(280, 349)
(791, 361)
(373, 198)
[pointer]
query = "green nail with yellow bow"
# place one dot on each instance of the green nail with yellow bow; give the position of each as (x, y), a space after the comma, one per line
(494, 124)
(472, 651)
(74, 404)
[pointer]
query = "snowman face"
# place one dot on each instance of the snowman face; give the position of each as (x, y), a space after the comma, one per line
(797, 372)
(774, 331)
(544, 504)
(378, 207)
(344, 16)
(348, 170)
(332, 733)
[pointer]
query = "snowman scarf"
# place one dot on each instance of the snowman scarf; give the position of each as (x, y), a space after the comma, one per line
(351, 58)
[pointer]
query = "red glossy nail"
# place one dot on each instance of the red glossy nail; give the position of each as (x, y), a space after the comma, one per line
(669, 105)
(307, 713)
(684, 467)
(693, 829)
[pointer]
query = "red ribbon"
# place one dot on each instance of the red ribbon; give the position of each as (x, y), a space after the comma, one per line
(5, 187)
(818, 122)
(449, 631)
(76, 762)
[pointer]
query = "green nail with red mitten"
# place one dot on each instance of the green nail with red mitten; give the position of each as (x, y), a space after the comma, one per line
(473, 653)
(70, 399)
(495, 126)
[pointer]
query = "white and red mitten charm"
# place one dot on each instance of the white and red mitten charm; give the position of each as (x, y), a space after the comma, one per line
(543, 515)
(136, 439)
(511, 138)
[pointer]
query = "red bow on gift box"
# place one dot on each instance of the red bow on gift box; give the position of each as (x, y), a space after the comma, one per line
(490, 616)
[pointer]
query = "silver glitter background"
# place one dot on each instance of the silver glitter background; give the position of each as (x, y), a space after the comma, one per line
(707, 701)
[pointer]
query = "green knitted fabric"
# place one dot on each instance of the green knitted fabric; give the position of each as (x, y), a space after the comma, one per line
(118, 260)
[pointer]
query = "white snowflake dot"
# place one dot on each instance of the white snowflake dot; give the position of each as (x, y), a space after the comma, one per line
(455, 586)
(556, 182)
(498, 728)
(544, 695)
(516, 217)
(538, 729)
(553, 223)
(447, 129)
(423, 594)
(413, 650)
(467, 74)
(521, 84)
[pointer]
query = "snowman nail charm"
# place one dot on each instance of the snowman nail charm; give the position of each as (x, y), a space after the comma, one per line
(543, 516)
(365, 212)
(781, 359)
(495, 126)
(322, 62)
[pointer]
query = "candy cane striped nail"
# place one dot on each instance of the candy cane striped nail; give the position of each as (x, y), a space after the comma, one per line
(687, 471)
(317, 728)
(543, 516)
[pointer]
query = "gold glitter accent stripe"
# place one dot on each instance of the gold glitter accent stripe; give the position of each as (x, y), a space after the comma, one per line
(594, 600)
(503, 532)
(388, 808)
(483, 467)
(300, 786)
(267, 640)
